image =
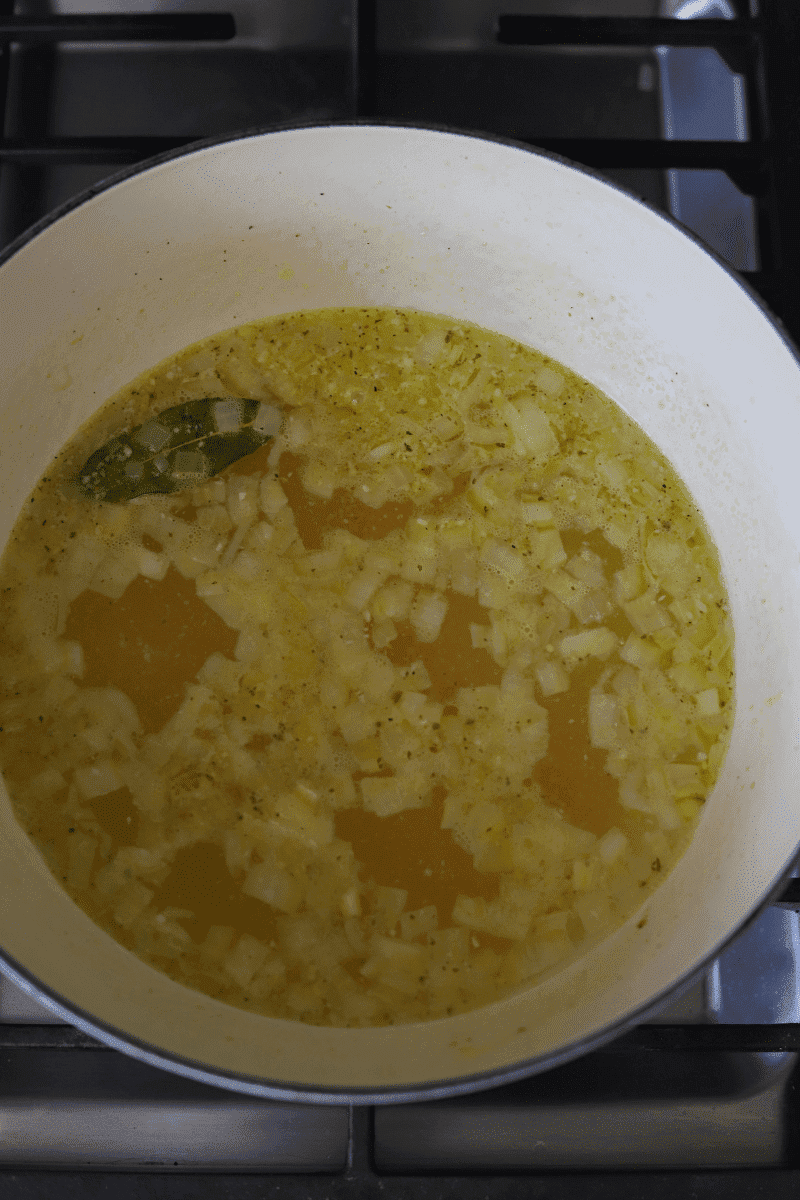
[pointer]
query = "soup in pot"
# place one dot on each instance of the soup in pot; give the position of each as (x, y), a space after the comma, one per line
(391, 717)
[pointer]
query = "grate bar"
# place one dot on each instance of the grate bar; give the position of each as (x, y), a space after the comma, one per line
(6, 6)
(519, 30)
(790, 896)
(745, 163)
(51, 151)
(646, 152)
(363, 57)
(744, 160)
(750, 1039)
(775, 1183)
(777, 100)
(120, 27)
(15, 1036)
(728, 1038)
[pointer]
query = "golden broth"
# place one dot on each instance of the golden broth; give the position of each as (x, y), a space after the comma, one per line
(403, 710)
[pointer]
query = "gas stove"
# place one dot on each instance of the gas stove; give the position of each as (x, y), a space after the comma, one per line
(699, 116)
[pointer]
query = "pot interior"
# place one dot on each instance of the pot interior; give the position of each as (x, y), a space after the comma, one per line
(534, 249)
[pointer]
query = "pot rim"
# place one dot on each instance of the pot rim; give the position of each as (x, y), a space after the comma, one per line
(461, 1085)
(254, 131)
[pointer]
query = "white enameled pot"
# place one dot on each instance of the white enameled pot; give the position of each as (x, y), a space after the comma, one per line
(536, 249)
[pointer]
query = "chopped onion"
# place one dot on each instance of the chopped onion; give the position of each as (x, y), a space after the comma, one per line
(97, 780)
(243, 961)
(427, 614)
(611, 845)
(596, 643)
(552, 678)
(227, 415)
(707, 702)
(388, 796)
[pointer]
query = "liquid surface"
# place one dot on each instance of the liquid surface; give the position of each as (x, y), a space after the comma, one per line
(401, 712)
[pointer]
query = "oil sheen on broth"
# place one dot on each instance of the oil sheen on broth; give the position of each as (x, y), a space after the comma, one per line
(398, 714)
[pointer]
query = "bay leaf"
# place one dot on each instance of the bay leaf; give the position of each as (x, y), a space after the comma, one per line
(178, 448)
